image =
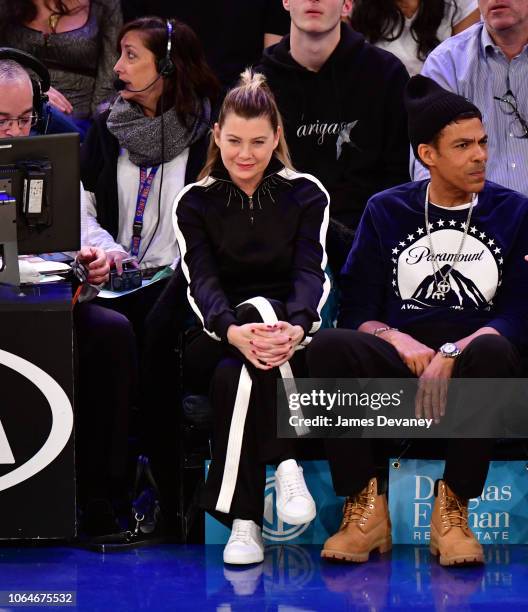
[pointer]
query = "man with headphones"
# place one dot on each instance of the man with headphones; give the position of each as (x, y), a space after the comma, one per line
(102, 335)
(22, 103)
(48, 119)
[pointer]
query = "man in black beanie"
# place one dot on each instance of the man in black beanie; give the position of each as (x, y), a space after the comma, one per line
(430, 290)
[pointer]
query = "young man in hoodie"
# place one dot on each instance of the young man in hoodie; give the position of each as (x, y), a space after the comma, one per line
(341, 100)
(445, 269)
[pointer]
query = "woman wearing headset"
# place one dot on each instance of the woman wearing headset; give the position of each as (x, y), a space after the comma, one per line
(139, 154)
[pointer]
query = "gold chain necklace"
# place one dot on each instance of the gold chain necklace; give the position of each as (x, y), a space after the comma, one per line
(53, 21)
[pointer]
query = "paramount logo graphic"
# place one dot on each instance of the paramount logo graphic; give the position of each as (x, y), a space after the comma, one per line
(462, 290)
(61, 427)
(273, 528)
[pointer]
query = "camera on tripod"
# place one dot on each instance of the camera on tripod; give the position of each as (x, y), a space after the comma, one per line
(131, 278)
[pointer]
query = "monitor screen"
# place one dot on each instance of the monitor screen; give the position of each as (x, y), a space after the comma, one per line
(42, 173)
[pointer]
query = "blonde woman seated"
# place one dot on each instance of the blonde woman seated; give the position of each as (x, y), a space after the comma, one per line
(251, 235)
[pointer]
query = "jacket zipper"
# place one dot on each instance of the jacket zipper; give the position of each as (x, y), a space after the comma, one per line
(250, 200)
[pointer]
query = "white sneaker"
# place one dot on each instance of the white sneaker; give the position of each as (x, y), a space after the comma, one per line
(295, 505)
(245, 544)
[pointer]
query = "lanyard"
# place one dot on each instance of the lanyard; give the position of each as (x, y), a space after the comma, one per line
(145, 183)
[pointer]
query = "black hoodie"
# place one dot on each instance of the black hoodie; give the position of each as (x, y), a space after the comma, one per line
(345, 124)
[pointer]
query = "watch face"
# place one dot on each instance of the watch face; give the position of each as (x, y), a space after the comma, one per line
(449, 348)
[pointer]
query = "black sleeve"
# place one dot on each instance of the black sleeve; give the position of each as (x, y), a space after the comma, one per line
(363, 278)
(310, 285)
(395, 162)
(205, 293)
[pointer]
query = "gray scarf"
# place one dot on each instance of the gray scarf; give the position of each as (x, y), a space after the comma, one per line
(141, 135)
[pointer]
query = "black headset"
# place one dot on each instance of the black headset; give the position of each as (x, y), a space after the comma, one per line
(40, 86)
(165, 65)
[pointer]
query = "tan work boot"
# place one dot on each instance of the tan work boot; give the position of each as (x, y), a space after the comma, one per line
(365, 527)
(451, 536)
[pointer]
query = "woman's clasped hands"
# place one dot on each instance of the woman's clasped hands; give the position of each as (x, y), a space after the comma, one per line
(266, 346)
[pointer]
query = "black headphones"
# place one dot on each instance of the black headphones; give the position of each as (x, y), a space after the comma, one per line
(40, 86)
(165, 66)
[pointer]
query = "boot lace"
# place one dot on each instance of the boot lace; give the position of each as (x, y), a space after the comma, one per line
(357, 508)
(456, 512)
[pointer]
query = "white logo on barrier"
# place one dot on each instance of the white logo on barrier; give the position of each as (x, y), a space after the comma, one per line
(61, 426)
(6, 454)
(496, 522)
(273, 528)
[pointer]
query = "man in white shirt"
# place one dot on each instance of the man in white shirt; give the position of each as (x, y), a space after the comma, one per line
(488, 65)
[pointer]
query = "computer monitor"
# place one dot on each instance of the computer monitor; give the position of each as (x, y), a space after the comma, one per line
(43, 174)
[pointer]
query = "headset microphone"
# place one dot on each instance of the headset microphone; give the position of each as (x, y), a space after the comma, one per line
(120, 85)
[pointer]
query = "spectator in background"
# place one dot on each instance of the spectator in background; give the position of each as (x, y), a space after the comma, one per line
(411, 29)
(76, 40)
(342, 104)
(233, 32)
(488, 64)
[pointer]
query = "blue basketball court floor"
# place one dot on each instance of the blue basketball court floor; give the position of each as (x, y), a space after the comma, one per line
(291, 579)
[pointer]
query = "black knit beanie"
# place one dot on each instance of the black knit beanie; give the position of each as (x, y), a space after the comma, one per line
(430, 108)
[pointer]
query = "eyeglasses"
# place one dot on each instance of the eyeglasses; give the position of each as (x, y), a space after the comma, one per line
(23, 122)
(508, 105)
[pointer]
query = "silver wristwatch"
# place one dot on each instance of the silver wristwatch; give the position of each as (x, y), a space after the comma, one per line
(450, 350)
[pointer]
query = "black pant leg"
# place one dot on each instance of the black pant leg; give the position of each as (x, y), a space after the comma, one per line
(259, 435)
(344, 353)
(467, 460)
(107, 383)
(248, 496)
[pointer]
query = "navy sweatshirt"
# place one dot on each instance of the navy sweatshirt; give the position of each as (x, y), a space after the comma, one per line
(272, 245)
(345, 124)
(389, 272)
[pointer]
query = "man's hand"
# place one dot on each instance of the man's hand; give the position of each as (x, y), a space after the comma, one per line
(59, 101)
(116, 258)
(431, 396)
(95, 261)
(414, 354)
